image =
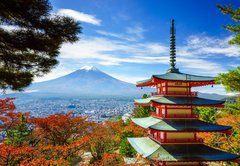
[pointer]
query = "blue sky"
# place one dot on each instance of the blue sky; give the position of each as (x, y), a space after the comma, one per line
(129, 39)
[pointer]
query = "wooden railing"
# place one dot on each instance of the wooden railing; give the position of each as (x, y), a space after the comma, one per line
(175, 115)
(183, 140)
(193, 94)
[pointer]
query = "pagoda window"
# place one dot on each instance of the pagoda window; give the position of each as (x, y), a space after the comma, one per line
(155, 134)
(162, 135)
(163, 112)
(157, 111)
(164, 89)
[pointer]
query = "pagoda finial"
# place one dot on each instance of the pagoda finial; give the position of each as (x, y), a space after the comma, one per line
(173, 69)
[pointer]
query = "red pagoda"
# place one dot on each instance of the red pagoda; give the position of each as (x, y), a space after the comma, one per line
(173, 127)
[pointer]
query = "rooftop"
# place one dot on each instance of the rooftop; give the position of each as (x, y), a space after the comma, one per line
(171, 100)
(178, 152)
(177, 77)
(178, 124)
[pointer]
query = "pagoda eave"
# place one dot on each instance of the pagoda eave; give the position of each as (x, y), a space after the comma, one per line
(154, 81)
(195, 131)
(173, 125)
(179, 152)
(155, 104)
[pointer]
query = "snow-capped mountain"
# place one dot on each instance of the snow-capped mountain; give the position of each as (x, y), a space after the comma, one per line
(88, 80)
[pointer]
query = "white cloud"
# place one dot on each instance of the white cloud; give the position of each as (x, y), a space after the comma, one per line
(132, 34)
(137, 31)
(209, 46)
(115, 52)
(79, 16)
(128, 78)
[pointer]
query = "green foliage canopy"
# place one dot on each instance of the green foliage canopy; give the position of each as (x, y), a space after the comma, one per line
(32, 46)
(230, 80)
(206, 113)
(125, 148)
(235, 15)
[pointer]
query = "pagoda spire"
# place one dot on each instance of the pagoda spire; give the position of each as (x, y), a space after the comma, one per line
(173, 69)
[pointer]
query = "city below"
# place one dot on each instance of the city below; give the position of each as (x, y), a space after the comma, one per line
(98, 109)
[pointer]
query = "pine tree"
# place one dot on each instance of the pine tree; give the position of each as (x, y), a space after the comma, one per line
(32, 46)
(235, 15)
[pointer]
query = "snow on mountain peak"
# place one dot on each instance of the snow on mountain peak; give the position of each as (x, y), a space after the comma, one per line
(88, 68)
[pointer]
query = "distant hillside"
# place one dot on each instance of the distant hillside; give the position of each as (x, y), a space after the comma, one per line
(213, 96)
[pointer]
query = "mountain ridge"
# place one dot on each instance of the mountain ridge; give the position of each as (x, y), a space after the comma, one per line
(87, 80)
(90, 81)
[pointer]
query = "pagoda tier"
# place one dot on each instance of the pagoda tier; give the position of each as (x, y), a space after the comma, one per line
(158, 101)
(191, 154)
(177, 78)
(179, 125)
(178, 131)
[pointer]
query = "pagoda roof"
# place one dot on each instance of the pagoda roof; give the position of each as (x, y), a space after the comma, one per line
(178, 152)
(178, 124)
(173, 100)
(176, 76)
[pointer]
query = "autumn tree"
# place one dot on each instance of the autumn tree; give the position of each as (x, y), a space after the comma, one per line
(53, 140)
(110, 159)
(61, 129)
(30, 40)
(6, 113)
(102, 140)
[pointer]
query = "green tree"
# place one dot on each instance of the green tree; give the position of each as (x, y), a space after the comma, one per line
(142, 111)
(125, 148)
(235, 15)
(31, 48)
(206, 113)
(230, 80)
(18, 134)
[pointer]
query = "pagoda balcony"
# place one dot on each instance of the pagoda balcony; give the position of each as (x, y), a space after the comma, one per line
(185, 140)
(154, 114)
(193, 94)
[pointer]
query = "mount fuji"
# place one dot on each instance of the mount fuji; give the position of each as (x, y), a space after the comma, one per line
(86, 81)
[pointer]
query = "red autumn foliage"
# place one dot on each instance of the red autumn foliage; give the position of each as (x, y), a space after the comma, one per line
(110, 159)
(62, 128)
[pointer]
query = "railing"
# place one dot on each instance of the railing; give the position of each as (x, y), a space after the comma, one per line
(183, 140)
(193, 94)
(175, 115)
(155, 114)
(181, 116)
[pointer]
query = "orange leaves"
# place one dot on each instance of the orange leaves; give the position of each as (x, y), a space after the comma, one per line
(7, 105)
(42, 154)
(60, 129)
(11, 154)
(6, 108)
(43, 162)
(233, 121)
(230, 143)
(138, 131)
(109, 159)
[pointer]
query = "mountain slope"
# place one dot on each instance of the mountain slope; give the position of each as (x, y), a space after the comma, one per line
(86, 81)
